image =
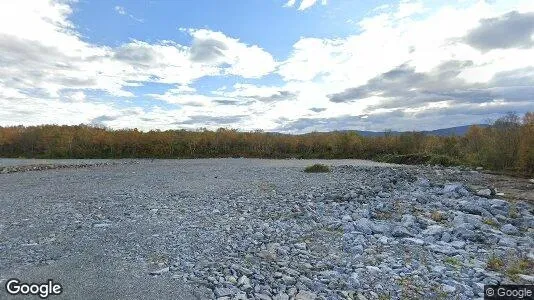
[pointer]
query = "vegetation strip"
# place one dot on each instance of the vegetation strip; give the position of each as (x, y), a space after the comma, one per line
(506, 146)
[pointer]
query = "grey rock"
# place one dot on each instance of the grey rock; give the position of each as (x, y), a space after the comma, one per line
(101, 225)
(408, 221)
(400, 231)
(360, 296)
(423, 182)
(288, 280)
(223, 292)
(281, 296)
(261, 296)
(240, 296)
(373, 269)
(379, 227)
(509, 229)
(450, 188)
(446, 237)
(305, 295)
(456, 190)
(484, 193)
(414, 241)
(383, 240)
(300, 246)
(444, 249)
(527, 278)
(243, 280)
(458, 244)
(439, 269)
(507, 241)
(292, 291)
(448, 288)
(160, 271)
(246, 287)
(363, 225)
(433, 230)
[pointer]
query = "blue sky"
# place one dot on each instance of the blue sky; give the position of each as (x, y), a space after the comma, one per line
(259, 22)
(256, 22)
(281, 65)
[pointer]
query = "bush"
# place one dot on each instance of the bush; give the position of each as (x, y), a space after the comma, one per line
(419, 159)
(495, 263)
(442, 160)
(406, 159)
(317, 168)
(506, 146)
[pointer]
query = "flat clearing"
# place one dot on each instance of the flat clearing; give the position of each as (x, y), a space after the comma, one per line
(244, 228)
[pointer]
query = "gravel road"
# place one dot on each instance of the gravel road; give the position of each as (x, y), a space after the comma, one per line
(260, 229)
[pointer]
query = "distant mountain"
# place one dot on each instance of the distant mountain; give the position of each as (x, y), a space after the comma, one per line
(452, 131)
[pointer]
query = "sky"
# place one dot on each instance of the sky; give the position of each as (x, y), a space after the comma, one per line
(290, 66)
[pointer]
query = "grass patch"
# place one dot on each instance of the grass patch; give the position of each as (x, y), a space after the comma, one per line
(490, 222)
(520, 266)
(437, 216)
(512, 267)
(513, 212)
(495, 263)
(158, 259)
(317, 168)
(453, 261)
(382, 215)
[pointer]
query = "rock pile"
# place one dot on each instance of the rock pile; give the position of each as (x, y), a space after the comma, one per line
(377, 233)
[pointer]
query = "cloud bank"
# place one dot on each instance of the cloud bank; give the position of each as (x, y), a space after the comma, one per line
(407, 66)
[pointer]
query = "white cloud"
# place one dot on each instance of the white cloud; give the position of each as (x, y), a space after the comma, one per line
(45, 62)
(245, 60)
(410, 34)
(35, 111)
(408, 8)
(76, 96)
(120, 10)
(304, 4)
(290, 3)
(49, 72)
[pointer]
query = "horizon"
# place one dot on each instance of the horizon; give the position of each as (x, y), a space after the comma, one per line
(201, 129)
(275, 65)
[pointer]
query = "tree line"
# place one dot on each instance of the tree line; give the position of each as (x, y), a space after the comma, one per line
(506, 145)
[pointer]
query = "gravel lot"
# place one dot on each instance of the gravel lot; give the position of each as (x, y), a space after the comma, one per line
(13, 162)
(260, 229)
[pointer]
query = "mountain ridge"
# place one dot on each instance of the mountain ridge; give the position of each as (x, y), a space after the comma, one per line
(448, 131)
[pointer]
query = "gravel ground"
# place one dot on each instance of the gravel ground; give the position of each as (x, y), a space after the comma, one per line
(14, 162)
(261, 229)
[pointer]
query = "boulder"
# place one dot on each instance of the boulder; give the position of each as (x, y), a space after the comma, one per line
(509, 229)
(484, 192)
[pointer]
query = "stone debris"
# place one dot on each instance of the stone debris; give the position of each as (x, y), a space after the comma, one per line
(267, 230)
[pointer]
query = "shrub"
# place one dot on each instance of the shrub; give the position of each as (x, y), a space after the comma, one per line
(512, 267)
(419, 159)
(490, 222)
(317, 168)
(520, 266)
(437, 216)
(506, 146)
(452, 261)
(495, 263)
